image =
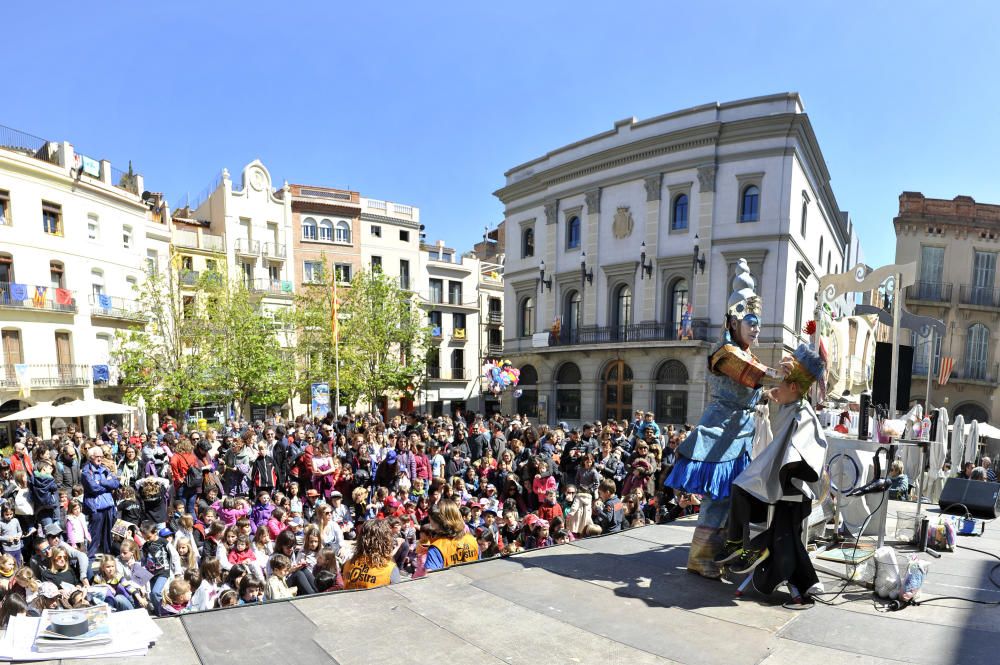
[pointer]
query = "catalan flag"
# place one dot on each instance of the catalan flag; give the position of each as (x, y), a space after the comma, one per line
(944, 369)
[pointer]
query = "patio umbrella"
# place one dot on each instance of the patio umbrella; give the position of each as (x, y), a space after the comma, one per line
(957, 442)
(32, 412)
(972, 442)
(936, 454)
(91, 407)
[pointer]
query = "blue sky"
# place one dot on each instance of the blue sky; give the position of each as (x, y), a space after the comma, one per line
(429, 103)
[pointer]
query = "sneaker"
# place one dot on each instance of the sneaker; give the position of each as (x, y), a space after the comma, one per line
(731, 550)
(748, 560)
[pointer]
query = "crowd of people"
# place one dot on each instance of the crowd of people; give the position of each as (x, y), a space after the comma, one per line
(181, 519)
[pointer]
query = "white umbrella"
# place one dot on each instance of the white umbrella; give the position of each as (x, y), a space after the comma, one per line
(32, 412)
(957, 442)
(936, 455)
(91, 407)
(972, 442)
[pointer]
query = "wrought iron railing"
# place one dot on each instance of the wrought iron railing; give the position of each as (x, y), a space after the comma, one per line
(114, 307)
(634, 332)
(31, 296)
(275, 250)
(929, 291)
(57, 375)
(970, 294)
(247, 247)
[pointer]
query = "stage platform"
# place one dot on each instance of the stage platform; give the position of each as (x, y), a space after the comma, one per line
(621, 599)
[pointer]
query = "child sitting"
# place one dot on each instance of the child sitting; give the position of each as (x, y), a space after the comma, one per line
(277, 587)
(251, 591)
(176, 597)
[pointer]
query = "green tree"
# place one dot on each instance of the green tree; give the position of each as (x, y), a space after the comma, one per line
(383, 336)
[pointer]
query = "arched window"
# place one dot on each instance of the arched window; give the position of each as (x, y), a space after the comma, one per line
(527, 403)
(820, 251)
(326, 230)
(829, 261)
(679, 218)
(573, 233)
(671, 393)
(526, 316)
(977, 349)
(677, 302)
(343, 232)
(309, 229)
(6, 272)
(617, 391)
(750, 204)
(568, 392)
(527, 243)
(622, 313)
(798, 310)
(571, 318)
(805, 213)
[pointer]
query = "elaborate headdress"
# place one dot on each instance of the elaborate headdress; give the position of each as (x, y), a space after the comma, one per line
(809, 367)
(744, 299)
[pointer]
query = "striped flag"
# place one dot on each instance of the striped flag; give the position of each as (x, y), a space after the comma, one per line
(944, 370)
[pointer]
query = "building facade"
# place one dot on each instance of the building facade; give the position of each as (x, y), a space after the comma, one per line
(620, 249)
(955, 244)
(76, 239)
(326, 230)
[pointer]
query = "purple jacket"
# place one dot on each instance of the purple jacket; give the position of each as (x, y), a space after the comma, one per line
(261, 514)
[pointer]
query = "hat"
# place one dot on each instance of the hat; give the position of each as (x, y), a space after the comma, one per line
(391, 457)
(165, 532)
(312, 492)
(808, 367)
(563, 425)
(641, 464)
(336, 494)
(530, 519)
(48, 590)
(744, 299)
(53, 529)
(490, 509)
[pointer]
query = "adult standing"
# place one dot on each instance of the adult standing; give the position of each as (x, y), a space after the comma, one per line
(99, 481)
(718, 449)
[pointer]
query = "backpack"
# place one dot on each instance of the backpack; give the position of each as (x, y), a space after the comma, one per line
(193, 477)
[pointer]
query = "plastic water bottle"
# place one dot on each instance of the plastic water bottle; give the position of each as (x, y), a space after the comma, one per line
(925, 429)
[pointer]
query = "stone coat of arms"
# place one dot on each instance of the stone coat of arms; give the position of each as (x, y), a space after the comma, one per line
(622, 225)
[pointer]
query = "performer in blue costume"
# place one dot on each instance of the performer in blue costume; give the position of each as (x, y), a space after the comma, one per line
(719, 448)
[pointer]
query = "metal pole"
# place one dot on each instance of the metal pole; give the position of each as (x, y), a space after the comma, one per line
(893, 379)
(930, 373)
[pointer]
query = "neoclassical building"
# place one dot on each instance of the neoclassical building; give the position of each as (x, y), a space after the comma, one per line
(621, 248)
(955, 244)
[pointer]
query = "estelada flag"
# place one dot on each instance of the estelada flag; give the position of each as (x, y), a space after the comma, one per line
(944, 369)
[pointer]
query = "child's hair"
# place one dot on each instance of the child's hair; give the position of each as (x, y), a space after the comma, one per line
(243, 523)
(149, 528)
(128, 493)
(261, 537)
(249, 582)
(191, 560)
(14, 604)
(7, 560)
(151, 490)
(230, 503)
(261, 494)
(325, 580)
(26, 579)
(228, 598)
(210, 570)
(241, 540)
(127, 545)
(187, 522)
(237, 572)
(216, 530)
(177, 588)
(326, 560)
(279, 514)
(608, 485)
(193, 577)
(179, 506)
(280, 562)
(7, 508)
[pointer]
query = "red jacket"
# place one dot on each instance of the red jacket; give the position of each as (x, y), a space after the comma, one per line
(179, 465)
(21, 462)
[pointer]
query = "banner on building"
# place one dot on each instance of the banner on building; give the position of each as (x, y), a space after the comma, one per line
(320, 399)
(23, 373)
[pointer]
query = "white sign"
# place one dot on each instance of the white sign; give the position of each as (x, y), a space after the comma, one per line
(431, 396)
(540, 340)
(452, 393)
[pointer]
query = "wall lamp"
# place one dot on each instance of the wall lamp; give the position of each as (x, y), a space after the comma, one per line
(698, 263)
(545, 283)
(646, 269)
(586, 276)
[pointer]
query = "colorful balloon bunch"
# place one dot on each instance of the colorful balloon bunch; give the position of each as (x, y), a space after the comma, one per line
(500, 375)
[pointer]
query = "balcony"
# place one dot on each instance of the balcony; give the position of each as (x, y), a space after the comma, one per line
(48, 376)
(636, 332)
(275, 251)
(978, 296)
(934, 292)
(459, 334)
(436, 332)
(189, 277)
(272, 287)
(494, 318)
(30, 296)
(494, 350)
(444, 374)
(433, 372)
(196, 240)
(248, 248)
(113, 307)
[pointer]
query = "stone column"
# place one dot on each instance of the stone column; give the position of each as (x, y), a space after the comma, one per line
(653, 186)
(546, 297)
(706, 213)
(590, 237)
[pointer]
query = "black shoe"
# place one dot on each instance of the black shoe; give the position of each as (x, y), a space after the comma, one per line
(748, 560)
(731, 550)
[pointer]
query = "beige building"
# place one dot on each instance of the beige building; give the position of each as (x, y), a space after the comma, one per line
(955, 244)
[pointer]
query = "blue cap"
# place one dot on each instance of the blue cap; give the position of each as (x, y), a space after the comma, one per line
(165, 532)
(391, 457)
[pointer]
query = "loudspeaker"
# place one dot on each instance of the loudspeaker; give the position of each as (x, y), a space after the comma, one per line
(982, 499)
(882, 375)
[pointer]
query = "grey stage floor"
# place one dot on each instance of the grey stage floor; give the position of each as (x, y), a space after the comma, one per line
(618, 599)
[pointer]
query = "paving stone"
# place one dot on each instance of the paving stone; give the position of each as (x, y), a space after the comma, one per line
(790, 652)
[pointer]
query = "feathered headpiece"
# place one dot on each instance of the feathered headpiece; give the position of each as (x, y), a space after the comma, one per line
(744, 299)
(809, 368)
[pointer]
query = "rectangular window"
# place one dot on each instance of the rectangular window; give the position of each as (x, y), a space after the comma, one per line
(931, 273)
(152, 262)
(404, 274)
(127, 237)
(309, 229)
(376, 230)
(436, 322)
(274, 273)
(4, 207)
(454, 293)
(93, 228)
(377, 263)
(404, 235)
(247, 269)
(437, 290)
(312, 272)
(458, 321)
(343, 272)
(52, 218)
(56, 276)
(568, 403)
(671, 406)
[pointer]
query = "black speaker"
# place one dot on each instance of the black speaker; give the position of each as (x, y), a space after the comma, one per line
(882, 375)
(982, 499)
